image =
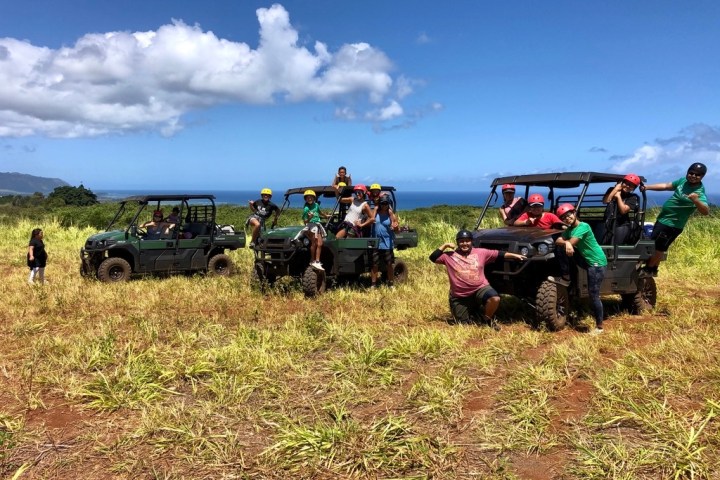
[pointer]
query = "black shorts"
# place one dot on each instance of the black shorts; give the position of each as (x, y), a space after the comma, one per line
(467, 309)
(664, 236)
(382, 257)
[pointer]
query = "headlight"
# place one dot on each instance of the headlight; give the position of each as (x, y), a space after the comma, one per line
(543, 249)
(524, 251)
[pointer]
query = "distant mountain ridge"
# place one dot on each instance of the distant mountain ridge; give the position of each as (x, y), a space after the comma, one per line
(13, 183)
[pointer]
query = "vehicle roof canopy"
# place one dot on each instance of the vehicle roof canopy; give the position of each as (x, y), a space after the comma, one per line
(561, 180)
(168, 198)
(326, 191)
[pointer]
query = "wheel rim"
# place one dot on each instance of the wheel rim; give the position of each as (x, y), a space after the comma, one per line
(116, 273)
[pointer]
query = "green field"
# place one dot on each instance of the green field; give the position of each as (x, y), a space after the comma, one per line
(195, 377)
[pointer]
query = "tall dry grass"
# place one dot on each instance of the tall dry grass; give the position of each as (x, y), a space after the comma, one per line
(212, 378)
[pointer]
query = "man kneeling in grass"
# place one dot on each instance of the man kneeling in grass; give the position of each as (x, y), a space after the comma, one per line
(469, 288)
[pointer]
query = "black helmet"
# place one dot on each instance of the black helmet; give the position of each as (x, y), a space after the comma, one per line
(698, 168)
(463, 234)
(385, 199)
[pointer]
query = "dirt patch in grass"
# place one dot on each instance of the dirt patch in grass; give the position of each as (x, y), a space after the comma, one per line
(539, 467)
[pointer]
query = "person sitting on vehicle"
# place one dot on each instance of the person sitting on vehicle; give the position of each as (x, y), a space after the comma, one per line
(358, 215)
(384, 225)
(313, 229)
(579, 236)
(470, 290)
(535, 217)
(341, 177)
(157, 227)
(262, 209)
(512, 206)
(620, 201)
(174, 216)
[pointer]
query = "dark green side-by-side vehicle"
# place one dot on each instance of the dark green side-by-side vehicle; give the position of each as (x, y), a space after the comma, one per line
(278, 254)
(193, 242)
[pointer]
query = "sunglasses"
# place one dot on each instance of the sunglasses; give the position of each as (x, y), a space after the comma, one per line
(567, 214)
(696, 174)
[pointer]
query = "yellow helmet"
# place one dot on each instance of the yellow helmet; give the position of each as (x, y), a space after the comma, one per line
(309, 192)
(375, 186)
(265, 191)
(342, 184)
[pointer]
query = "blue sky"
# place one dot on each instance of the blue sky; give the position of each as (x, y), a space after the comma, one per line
(425, 95)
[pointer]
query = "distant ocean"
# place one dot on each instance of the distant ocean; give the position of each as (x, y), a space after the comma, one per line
(406, 200)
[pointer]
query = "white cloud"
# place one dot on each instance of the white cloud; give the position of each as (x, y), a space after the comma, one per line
(672, 156)
(122, 82)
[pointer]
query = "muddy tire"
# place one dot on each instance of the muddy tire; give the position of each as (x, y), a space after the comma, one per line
(644, 299)
(220, 265)
(400, 272)
(114, 269)
(553, 305)
(313, 282)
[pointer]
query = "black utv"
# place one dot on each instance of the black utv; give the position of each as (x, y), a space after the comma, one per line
(535, 280)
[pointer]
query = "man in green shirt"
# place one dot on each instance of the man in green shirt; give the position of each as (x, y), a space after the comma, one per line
(579, 237)
(688, 196)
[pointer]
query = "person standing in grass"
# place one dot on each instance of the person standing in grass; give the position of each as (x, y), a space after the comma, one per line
(471, 295)
(36, 257)
(579, 236)
(384, 228)
(688, 196)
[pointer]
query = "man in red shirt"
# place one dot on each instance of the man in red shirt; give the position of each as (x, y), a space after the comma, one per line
(469, 288)
(535, 217)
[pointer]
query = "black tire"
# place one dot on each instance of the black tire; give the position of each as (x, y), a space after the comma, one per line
(114, 269)
(400, 272)
(313, 282)
(220, 265)
(644, 299)
(553, 305)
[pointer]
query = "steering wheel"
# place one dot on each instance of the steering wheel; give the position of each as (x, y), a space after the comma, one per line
(140, 231)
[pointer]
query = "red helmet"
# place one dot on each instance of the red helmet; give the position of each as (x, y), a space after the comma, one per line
(360, 186)
(536, 198)
(508, 187)
(632, 178)
(564, 208)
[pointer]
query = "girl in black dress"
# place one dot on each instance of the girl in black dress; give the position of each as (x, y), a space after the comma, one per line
(36, 257)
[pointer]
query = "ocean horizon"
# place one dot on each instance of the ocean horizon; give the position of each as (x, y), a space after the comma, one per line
(407, 200)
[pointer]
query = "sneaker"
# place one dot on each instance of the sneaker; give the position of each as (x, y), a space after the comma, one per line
(564, 281)
(252, 245)
(317, 265)
(597, 331)
(491, 322)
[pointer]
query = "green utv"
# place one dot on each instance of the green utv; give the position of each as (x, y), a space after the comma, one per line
(190, 242)
(535, 280)
(279, 252)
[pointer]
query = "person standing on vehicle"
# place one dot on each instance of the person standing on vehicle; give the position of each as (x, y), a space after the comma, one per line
(384, 227)
(620, 201)
(341, 176)
(512, 206)
(535, 217)
(471, 295)
(358, 214)
(36, 256)
(262, 209)
(579, 236)
(313, 229)
(688, 196)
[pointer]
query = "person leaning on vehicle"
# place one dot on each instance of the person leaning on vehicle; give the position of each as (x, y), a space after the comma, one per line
(469, 288)
(688, 196)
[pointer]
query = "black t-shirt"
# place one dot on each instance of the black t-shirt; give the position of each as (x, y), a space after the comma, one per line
(630, 199)
(39, 253)
(264, 210)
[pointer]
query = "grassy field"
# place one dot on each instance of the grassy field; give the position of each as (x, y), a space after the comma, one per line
(194, 377)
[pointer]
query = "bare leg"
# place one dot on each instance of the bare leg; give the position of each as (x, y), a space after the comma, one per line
(491, 306)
